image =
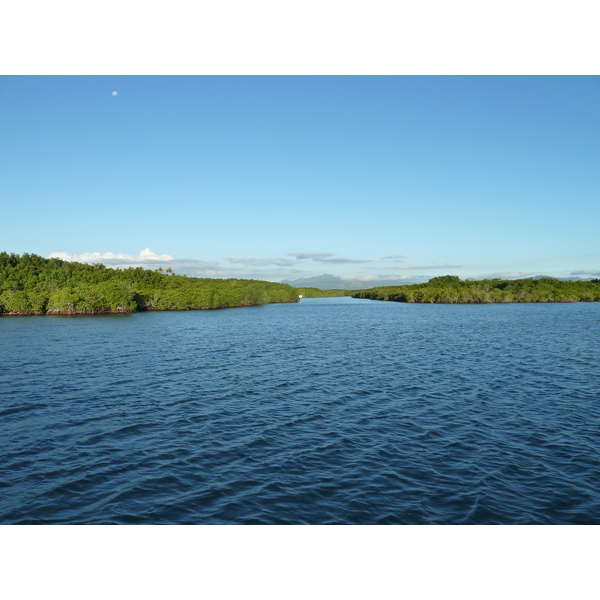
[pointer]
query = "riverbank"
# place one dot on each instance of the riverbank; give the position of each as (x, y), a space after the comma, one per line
(123, 310)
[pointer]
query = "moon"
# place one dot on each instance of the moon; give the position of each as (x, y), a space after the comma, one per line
(115, 93)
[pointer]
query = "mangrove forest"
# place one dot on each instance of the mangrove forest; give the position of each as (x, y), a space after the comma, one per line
(450, 289)
(33, 285)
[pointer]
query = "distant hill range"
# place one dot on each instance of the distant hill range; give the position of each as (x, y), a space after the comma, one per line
(331, 282)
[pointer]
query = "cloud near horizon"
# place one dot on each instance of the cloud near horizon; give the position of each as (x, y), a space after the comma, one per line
(325, 257)
(262, 262)
(308, 255)
(400, 263)
(145, 255)
(342, 261)
(147, 259)
(585, 272)
(406, 266)
(256, 268)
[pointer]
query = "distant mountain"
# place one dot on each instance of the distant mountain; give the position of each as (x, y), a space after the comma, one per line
(331, 282)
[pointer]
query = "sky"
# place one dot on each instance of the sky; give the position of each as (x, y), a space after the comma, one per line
(400, 178)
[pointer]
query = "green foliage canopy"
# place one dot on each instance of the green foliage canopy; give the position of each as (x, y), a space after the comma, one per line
(449, 289)
(33, 285)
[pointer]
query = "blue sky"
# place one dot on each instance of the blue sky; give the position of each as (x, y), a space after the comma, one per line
(281, 177)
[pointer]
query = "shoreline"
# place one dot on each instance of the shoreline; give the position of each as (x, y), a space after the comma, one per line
(127, 311)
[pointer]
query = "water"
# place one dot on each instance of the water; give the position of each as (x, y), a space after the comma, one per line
(328, 411)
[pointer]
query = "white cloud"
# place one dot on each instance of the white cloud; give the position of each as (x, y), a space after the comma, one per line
(393, 256)
(148, 259)
(146, 255)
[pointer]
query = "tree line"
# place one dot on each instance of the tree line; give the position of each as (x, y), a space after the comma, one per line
(33, 285)
(450, 289)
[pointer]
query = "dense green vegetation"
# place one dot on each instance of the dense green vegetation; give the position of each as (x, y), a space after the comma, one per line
(449, 289)
(33, 285)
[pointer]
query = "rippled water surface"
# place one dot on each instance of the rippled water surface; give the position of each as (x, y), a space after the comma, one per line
(327, 411)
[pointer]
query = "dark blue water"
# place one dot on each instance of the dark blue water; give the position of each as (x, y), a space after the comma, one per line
(326, 411)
